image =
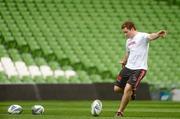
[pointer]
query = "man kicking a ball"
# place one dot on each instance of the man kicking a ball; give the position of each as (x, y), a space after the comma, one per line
(134, 63)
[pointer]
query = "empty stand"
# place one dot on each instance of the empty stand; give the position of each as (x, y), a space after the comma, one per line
(84, 36)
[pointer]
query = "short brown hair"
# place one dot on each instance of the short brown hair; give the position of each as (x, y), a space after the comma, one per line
(128, 24)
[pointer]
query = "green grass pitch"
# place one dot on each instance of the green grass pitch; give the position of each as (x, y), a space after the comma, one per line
(81, 110)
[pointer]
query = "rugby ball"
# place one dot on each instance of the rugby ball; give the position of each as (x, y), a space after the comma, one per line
(15, 109)
(96, 107)
(37, 109)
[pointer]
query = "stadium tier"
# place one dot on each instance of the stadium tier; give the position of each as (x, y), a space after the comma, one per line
(84, 36)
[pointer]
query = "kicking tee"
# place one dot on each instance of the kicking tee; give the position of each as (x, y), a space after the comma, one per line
(137, 48)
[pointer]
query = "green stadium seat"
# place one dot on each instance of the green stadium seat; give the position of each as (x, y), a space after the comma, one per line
(54, 65)
(51, 80)
(14, 54)
(62, 80)
(84, 77)
(21, 43)
(33, 46)
(74, 80)
(39, 80)
(96, 78)
(4, 79)
(108, 80)
(28, 59)
(40, 61)
(27, 80)
(3, 51)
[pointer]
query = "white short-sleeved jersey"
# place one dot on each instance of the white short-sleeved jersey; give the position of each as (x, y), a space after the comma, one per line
(137, 48)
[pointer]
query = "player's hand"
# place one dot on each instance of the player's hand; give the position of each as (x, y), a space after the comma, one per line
(122, 63)
(162, 33)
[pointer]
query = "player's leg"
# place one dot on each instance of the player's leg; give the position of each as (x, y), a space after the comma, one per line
(135, 80)
(129, 91)
(120, 86)
(117, 89)
(125, 99)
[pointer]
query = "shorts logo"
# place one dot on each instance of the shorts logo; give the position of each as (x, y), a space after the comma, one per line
(119, 78)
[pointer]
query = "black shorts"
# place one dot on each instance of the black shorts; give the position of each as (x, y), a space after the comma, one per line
(132, 77)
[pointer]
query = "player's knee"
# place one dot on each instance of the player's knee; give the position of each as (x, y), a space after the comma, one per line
(117, 89)
(128, 89)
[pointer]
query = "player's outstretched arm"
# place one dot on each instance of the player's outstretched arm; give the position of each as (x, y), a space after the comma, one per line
(154, 36)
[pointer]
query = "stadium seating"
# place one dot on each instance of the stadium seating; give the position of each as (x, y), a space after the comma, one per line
(8, 67)
(22, 69)
(48, 37)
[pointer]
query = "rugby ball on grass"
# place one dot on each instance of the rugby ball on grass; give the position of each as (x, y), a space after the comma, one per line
(37, 109)
(96, 107)
(15, 109)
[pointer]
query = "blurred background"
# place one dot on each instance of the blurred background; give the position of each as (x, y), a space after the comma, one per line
(80, 42)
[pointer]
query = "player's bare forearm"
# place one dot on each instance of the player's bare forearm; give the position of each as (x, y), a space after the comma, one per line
(154, 36)
(123, 61)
